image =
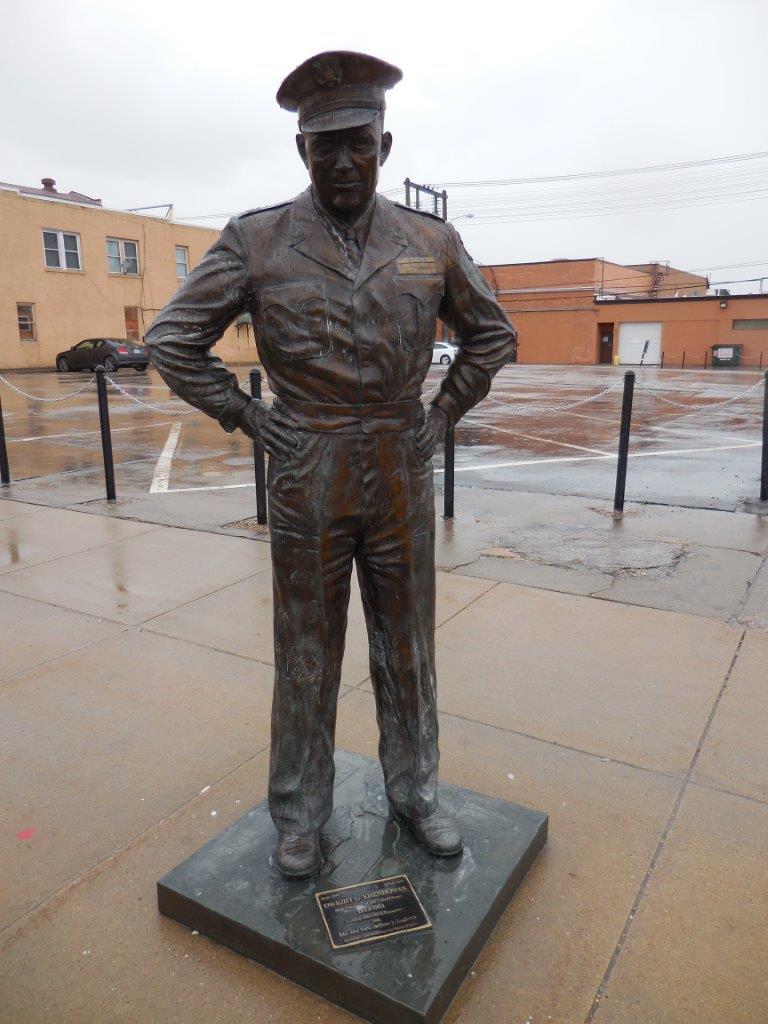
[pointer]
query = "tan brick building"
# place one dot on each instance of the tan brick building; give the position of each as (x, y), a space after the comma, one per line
(72, 269)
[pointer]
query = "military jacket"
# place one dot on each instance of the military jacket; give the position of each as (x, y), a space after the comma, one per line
(328, 331)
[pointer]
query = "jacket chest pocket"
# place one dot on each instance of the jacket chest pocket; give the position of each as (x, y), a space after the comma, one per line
(418, 302)
(293, 320)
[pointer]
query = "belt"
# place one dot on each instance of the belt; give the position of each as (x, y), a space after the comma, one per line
(369, 418)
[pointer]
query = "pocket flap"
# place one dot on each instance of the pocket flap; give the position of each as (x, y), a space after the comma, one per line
(424, 289)
(300, 296)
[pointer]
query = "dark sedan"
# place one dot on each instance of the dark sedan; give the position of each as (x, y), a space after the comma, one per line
(111, 353)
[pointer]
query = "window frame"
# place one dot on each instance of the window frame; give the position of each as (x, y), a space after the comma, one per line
(185, 250)
(121, 243)
(32, 319)
(137, 329)
(750, 324)
(62, 251)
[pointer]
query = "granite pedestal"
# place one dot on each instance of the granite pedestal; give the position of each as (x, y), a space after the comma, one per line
(230, 892)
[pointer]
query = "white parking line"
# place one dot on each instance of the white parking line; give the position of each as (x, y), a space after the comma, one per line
(597, 458)
(531, 437)
(209, 487)
(87, 433)
(163, 468)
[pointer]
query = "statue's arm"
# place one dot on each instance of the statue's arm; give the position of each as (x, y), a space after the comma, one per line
(182, 335)
(486, 337)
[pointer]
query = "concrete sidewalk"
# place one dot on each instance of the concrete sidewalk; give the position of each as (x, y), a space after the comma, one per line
(135, 685)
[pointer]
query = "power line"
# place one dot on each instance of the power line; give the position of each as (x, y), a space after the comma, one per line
(664, 187)
(660, 191)
(567, 215)
(740, 176)
(726, 178)
(582, 175)
(736, 266)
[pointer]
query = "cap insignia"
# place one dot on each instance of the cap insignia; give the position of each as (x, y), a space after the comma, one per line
(328, 71)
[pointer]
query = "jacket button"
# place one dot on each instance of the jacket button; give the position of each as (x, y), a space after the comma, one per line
(367, 419)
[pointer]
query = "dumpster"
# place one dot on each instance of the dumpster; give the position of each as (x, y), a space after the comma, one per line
(726, 355)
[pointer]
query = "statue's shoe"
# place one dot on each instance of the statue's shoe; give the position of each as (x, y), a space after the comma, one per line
(438, 833)
(297, 856)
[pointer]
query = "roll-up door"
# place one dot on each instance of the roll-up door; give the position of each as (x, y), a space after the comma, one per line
(632, 343)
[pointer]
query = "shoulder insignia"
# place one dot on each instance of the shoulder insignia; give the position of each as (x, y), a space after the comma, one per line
(262, 209)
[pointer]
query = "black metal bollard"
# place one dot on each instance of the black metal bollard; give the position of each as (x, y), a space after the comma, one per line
(258, 459)
(449, 453)
(661, 367)
(5, 469)
(764, 462)
(626, 420)
(106, 436)
(682, 361)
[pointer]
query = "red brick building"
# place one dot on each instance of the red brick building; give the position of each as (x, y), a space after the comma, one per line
(591, 311)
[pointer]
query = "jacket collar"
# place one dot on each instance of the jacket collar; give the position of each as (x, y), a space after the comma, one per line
(310, 237)
(386, 240)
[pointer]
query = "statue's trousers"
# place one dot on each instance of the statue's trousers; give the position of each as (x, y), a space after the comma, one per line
(356, 491)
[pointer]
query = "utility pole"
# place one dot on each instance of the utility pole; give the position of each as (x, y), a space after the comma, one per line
(415, 192)
(440, 209)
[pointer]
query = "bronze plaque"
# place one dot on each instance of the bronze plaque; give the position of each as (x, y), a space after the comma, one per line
(371, 910)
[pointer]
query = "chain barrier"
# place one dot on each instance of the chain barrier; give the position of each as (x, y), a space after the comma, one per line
(702, 405)
(518, 410)
(628, 384)
(118, 387)
(523, 409)
(428, 394)
(37, 398)
(147, 405)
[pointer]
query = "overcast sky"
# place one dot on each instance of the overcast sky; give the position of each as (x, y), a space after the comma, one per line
(163, 101)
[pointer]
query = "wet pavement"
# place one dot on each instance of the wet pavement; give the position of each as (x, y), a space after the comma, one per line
(700, 459)
(135, 688)
(618, 667)
(533, 491)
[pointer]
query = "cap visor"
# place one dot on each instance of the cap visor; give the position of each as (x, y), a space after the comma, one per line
(338, 120)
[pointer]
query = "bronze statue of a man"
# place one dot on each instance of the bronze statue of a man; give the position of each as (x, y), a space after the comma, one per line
(344, 288)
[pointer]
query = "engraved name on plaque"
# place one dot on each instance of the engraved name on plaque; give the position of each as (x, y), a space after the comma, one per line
(371, 910)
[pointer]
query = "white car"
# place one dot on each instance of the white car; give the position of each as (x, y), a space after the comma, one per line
(443, 352)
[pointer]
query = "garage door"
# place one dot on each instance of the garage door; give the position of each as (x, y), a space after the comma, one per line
(632, 339)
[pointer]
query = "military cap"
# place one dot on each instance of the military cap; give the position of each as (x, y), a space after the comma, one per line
(337, 89)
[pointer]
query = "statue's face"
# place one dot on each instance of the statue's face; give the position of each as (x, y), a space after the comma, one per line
(344, 165)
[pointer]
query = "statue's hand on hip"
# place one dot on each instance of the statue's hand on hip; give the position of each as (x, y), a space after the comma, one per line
(430, 431)
(271, 428)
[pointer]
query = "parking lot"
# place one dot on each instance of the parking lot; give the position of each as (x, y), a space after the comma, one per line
(517, 440)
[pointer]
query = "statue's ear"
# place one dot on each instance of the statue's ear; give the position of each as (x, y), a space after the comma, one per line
(301, 145)
(386, 146)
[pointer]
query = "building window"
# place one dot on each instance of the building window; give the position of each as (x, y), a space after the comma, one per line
(132, 323)
(26, 314)
(122, 256)
(182, 261)
(750, 325)
(62, 250)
